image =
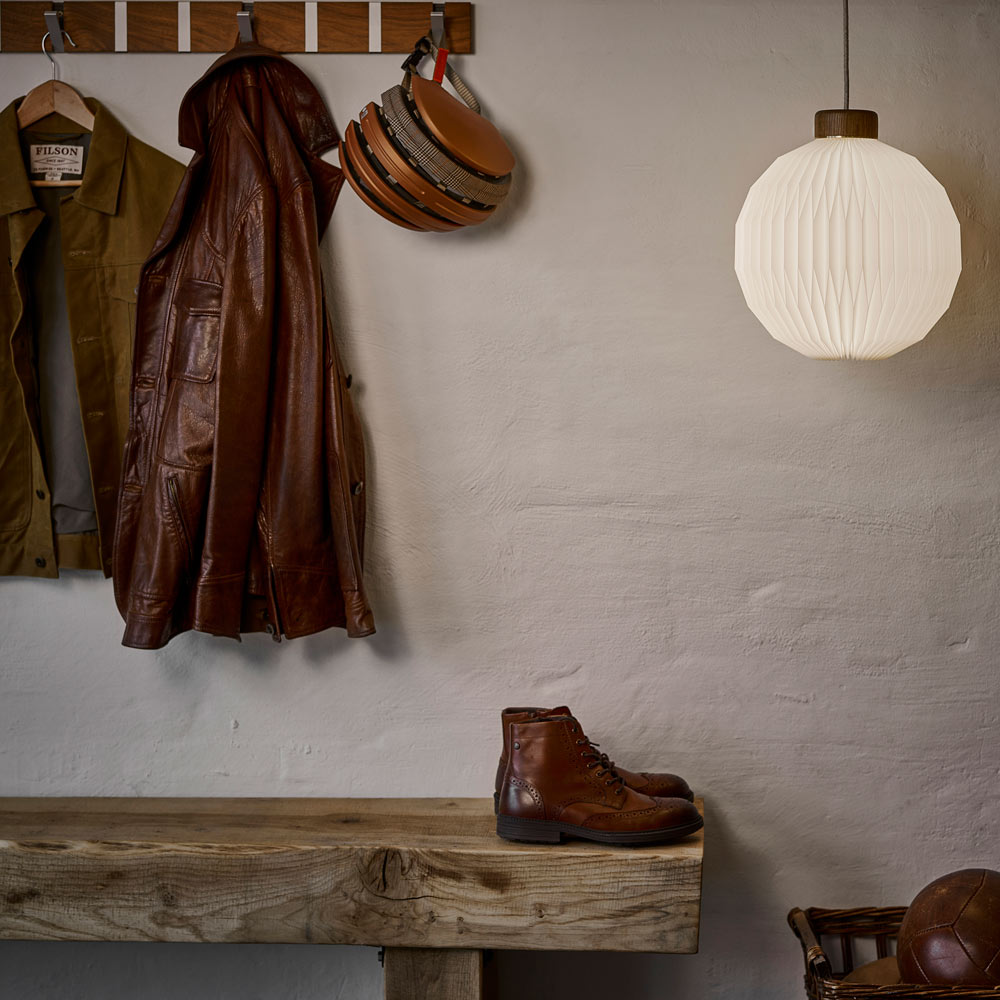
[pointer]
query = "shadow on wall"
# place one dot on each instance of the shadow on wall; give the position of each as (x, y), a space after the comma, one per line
(960, 347)
(510, 212)
(389, 642)
(418, 534)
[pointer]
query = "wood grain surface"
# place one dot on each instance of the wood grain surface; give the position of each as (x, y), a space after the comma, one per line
(279, 26)
(154, 30)
(417, 873)
(343, 27)
(404, 22)
(152, 27)
(91, 26)
(213, 25)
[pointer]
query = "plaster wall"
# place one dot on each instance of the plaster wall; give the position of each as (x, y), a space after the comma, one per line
(596, 479)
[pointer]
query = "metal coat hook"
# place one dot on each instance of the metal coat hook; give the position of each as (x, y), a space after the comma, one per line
(54, 27)
(244, 18)
(437, 25)
(62, 48)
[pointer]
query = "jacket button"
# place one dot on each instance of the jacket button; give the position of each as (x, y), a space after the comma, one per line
(357, 488)
(40, 562)
(40, 494)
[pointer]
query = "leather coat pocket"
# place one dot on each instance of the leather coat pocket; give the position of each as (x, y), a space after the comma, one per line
(177, 516)
(176, 533)
(196, 338)
(188, 430)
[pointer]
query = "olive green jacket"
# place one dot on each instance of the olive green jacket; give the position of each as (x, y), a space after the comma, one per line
(108, 226)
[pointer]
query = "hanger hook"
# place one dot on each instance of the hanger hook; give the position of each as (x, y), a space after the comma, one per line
(48, 55)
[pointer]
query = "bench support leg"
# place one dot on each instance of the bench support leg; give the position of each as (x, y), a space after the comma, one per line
(433, 974)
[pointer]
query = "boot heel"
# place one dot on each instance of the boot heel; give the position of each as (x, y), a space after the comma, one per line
(531, 831)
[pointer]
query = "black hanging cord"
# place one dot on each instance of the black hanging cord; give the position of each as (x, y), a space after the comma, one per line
(847, 61)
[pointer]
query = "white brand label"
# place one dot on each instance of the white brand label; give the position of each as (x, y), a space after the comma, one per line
(55, 159)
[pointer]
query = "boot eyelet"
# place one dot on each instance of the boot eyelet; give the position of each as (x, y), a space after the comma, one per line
(517, 746)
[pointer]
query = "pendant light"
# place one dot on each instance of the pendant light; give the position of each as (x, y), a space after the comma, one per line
(847, 247)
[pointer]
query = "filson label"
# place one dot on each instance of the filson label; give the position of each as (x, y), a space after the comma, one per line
(55, 159)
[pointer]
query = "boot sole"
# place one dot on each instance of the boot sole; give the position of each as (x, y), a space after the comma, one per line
(550, 831)
(496, 801)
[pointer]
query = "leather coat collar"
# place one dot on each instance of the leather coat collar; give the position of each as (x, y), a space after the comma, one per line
(301, 106)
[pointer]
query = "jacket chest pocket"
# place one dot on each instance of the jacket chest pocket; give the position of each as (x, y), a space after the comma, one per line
(188, 430)
(196, 337)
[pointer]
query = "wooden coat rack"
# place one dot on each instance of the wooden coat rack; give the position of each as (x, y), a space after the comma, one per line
(210, 25)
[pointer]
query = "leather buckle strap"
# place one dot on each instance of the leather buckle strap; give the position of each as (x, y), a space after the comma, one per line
(425, 47)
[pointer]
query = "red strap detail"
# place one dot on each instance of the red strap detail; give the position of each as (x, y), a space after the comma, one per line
(439, 65)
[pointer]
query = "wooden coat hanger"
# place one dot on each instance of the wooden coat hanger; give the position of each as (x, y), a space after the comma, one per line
(54, 97)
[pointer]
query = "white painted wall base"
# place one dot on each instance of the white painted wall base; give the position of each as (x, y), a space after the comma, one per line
(596, 479)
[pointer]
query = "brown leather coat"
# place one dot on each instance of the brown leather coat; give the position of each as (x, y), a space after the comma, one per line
(242, 503)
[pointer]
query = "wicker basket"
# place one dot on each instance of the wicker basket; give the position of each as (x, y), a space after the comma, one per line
(878, 924)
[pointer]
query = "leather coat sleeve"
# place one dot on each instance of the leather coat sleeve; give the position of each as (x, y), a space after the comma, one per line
(315, 448)
(346, 484)
(245, 347)
(207, 434)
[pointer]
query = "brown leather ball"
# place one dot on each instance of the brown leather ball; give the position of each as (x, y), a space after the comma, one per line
(950, 935)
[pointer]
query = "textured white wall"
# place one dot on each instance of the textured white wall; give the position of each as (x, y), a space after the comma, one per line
(596, 479)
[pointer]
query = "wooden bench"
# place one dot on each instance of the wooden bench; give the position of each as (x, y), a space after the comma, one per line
(427, 879)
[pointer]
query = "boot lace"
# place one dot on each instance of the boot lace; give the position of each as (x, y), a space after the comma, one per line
(601, 761)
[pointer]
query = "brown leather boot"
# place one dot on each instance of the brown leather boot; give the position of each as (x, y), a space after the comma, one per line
(659, 785)
(556, 785)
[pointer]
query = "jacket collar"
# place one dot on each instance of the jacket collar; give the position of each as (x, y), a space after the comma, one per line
(300, 103)
(105, 160)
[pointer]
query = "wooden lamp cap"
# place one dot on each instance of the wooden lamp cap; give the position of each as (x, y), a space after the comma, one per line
(846, 123)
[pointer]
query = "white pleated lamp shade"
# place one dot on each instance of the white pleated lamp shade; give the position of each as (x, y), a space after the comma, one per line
(848, 248)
